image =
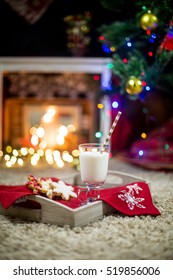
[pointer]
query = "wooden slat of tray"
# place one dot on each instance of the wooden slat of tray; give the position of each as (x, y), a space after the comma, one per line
(55, 213)
(22, 213)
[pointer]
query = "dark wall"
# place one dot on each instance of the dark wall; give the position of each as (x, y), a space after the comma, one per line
(47, 37)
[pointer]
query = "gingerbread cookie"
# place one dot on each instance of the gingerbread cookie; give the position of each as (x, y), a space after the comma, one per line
(50, 188)
(63, 190)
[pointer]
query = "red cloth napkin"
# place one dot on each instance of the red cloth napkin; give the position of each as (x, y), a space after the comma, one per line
(9, 194)
(131, 199)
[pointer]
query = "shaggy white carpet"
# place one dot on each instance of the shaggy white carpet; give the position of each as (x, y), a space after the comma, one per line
(115, 237)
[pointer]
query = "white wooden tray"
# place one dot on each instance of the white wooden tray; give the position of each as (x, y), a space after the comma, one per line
(45, 210)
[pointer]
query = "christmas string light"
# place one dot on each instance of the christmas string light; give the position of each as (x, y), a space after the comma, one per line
(115, 104)
(40, 153)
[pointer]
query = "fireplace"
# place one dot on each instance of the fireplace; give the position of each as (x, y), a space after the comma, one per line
(50, 94)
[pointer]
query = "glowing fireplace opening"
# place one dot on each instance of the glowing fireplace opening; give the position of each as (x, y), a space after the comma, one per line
(51, 126)
(49, 131)
(27, 122)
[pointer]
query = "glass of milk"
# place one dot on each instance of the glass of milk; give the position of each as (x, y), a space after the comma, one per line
(93, 168)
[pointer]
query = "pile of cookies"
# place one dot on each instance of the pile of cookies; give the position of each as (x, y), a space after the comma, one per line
(50, 188)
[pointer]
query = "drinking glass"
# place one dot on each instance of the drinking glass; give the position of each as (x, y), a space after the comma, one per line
(93, 167)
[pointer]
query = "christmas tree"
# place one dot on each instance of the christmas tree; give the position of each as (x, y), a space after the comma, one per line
(141, 48)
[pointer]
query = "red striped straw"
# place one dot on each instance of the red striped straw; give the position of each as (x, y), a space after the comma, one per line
(111, 130)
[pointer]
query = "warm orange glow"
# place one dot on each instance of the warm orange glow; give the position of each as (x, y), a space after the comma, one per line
(60, 139)
(144, 135)
(48, 117)
(100, 105)
(34, 140)
(40, 132)
(63, 130)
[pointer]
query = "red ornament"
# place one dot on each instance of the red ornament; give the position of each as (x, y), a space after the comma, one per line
(167, 43)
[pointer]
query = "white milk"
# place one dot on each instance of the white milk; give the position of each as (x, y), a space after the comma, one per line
(93, 167)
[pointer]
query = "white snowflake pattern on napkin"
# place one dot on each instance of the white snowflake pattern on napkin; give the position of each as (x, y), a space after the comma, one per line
(129, 196)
